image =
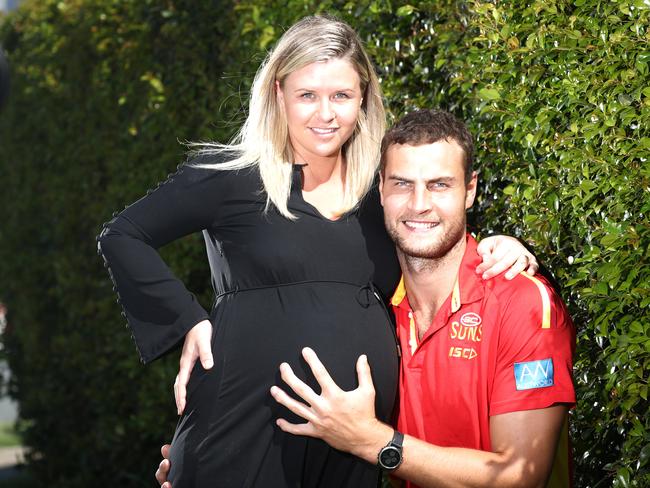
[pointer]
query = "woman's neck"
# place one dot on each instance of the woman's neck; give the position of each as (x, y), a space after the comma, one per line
(319, 171)
(323, 185)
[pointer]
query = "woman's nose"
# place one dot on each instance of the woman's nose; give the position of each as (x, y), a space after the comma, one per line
(326, 110)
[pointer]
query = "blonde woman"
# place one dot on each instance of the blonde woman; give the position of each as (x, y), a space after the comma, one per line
(299, 257)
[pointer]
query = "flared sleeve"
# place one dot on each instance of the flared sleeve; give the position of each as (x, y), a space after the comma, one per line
(158, 307)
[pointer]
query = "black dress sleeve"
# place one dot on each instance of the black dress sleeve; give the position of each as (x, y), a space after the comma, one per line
(158, 308)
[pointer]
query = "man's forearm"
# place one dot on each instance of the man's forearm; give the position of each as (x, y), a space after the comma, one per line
(429, 465)
(523, 458)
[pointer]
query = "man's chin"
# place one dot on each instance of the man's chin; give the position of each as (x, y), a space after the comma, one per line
(431, 249)
(423, 252)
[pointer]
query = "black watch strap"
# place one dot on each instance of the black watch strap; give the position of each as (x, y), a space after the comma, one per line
(398, 439)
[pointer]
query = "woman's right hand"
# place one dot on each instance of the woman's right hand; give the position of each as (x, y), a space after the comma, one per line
(198, 345)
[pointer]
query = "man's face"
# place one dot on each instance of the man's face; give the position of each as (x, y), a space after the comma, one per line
(424, 195)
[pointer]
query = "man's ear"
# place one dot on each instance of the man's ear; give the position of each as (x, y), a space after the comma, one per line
(471, 190)
(381, 188)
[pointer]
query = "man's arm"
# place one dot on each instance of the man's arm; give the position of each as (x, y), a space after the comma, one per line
(523, 443)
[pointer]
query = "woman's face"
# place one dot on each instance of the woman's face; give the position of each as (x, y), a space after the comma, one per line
(322, 102)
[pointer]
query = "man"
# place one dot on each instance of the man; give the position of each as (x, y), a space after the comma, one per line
(486, 368)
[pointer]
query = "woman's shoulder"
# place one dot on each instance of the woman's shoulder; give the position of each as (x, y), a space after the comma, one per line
(215, 169)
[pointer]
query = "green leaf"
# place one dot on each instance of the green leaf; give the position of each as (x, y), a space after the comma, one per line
(405, 10)
(489, 94)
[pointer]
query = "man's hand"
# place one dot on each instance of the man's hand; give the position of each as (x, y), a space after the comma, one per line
(502, 252)
(344, 419)
(198, 345)
(163, 469)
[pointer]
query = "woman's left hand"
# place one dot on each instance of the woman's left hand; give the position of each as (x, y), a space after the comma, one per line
(502, 252)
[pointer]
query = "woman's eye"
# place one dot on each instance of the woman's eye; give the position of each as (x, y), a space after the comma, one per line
(307, 96)
(342, 95)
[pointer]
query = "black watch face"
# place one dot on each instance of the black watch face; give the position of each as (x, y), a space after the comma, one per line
(390, 457)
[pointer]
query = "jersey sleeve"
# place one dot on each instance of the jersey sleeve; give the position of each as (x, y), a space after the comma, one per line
(535, 350)
(158, 307)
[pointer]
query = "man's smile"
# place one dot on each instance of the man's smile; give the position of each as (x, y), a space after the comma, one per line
(420, 225)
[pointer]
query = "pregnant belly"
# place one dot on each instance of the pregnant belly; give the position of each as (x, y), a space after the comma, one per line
(257, 330)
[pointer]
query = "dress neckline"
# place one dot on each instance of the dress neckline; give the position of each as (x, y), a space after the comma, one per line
(296, 186)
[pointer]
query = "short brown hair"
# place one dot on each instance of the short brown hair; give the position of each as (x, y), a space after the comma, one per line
(426, 127)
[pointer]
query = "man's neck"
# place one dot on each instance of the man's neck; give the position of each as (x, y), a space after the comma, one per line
(429, 282)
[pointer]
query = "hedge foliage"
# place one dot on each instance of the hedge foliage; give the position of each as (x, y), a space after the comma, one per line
(102, 92)
(555, 91)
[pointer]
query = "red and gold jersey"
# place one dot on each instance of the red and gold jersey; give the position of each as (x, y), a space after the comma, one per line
(494, 347)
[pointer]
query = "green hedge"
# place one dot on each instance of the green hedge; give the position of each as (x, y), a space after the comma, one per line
(556, 93)
(102, 93)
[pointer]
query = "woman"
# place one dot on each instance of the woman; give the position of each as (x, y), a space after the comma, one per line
(299, 256)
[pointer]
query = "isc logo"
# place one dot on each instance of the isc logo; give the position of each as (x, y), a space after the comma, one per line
(462, 352)
(534, 374)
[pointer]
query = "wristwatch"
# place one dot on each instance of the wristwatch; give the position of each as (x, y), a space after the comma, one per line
(390, 457)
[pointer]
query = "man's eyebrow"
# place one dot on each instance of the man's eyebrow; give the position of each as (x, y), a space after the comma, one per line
(397, 177)
(443, 179)
(440, 179)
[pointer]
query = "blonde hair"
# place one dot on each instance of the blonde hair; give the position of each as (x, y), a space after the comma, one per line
(263, 140)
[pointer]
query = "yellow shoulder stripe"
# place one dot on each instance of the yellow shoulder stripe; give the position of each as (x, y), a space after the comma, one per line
(399, 294)
(455, 297)
(546, 301)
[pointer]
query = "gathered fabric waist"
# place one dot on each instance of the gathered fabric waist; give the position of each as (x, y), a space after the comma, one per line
(365, 291)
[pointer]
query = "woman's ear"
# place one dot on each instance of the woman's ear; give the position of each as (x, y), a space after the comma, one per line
(278, 90)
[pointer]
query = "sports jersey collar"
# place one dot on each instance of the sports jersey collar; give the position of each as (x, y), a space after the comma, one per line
(468, 287)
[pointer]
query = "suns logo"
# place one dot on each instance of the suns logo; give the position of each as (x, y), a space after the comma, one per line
(468, 328)
(471, 319)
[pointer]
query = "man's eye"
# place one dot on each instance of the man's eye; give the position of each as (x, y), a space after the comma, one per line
(439, 185)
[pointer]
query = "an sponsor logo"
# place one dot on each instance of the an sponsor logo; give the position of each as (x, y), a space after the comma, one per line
(471, 319)
(463, 332)
(462, 352)
(534, 374)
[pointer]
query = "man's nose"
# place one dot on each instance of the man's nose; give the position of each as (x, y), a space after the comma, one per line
(420, 200)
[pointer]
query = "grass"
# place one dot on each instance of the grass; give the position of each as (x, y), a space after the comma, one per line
(8, 435)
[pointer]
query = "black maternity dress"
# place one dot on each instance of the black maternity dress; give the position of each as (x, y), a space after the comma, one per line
(280, 285)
